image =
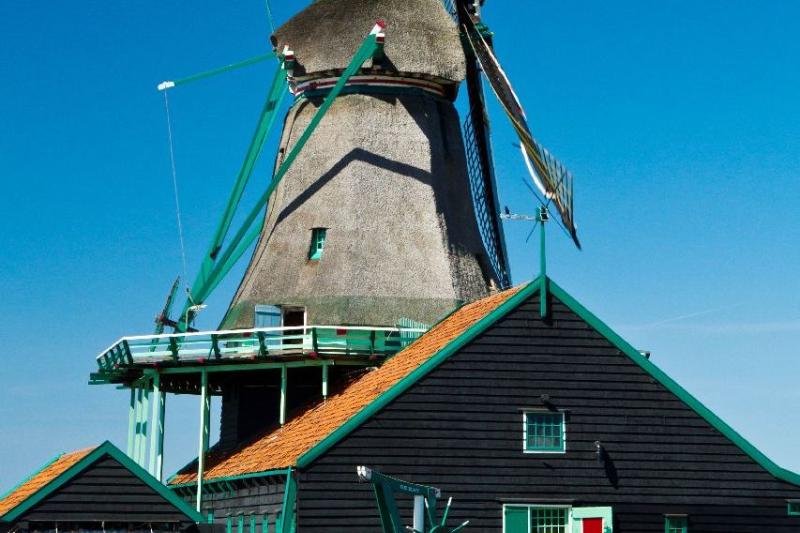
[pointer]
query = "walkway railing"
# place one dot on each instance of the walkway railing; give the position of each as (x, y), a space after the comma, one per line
(204, 346)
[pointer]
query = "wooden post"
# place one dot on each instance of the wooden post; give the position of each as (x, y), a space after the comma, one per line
(205, 404)
(325, 381)
(131, 423)
(156, 468)
(284, 377)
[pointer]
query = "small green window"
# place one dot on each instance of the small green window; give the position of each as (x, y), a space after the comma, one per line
(794, 507)
(317, 243)
(544, 432)
(676, 524)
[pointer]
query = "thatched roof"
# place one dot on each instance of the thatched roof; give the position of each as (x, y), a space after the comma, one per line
(421, 38)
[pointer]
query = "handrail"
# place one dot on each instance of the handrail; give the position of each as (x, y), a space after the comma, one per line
(254, 330)
(257, 342)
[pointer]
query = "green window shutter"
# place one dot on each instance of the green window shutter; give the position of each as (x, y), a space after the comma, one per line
(544, 432)
(676, 524)
(318, 236)
(515, 519)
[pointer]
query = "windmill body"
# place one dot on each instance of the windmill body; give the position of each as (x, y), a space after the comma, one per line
(384, 176)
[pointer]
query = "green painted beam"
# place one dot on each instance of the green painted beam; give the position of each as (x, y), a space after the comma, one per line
(205, 404)
(284, 379)
(245, 236)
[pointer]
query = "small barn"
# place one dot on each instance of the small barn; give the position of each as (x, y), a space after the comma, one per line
(96, 489)
(532, 413)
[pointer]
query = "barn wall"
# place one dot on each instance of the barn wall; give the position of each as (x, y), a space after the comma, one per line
(259, 497)
(105, 491)
(460, 429)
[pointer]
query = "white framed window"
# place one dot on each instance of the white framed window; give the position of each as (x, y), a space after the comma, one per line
(551, 518)
(544, 432)
(537, 518)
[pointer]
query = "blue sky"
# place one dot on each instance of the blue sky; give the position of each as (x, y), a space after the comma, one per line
(680, 121)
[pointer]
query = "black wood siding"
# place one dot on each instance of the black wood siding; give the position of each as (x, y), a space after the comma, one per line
(105, 491)
(262, 496)
(460, 429)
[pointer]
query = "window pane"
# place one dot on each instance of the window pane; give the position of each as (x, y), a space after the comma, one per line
(549, 520)
(677, 524)
(544, 431)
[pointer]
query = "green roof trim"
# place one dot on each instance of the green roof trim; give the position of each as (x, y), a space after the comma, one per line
(104, 449)
(671, 385)
(503, 309)
(193, 484)
(404, 384)
(30, 477)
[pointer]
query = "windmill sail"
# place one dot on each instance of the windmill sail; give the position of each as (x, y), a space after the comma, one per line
(550, 176)
(480, 165)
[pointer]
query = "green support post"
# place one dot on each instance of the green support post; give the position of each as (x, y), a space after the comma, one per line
(543, 216)
(325, 381)
(132, 413)
(284, 379)
(157, 431)
(145, 426)
(285, 524)
(205, 406)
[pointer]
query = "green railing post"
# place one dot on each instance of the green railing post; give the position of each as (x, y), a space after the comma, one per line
(205, 405)
(262, 345)
(315, 340)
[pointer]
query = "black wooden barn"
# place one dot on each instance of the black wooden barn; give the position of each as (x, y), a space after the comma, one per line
(97, 489)
(534, 415)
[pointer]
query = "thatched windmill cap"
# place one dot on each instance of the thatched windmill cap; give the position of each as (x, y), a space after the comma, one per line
(421, 38)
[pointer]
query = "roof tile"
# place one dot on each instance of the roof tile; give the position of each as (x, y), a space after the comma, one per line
(282, 447)
(41, 478)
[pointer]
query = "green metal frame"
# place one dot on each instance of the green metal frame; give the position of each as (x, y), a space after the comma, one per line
(104, 449)
(209, 277)
(287, 521)
(502, 310)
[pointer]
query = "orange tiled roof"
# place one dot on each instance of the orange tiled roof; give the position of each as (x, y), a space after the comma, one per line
(40, 479)
(283, 446)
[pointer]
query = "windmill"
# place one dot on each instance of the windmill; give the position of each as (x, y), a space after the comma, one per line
(381, 215)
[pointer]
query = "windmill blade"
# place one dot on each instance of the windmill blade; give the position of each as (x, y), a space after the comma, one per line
(549, 175)
(480, 166)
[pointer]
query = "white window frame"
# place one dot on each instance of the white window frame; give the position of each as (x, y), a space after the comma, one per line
(525, 449)
(530, 506)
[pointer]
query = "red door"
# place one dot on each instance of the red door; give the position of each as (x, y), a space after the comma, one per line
(592, 525)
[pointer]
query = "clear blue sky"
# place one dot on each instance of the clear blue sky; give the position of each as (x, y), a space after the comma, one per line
(680, 121)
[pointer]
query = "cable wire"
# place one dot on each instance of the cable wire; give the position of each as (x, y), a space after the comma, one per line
(175, 186)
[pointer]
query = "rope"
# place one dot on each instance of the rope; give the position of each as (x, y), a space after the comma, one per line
(175, 185)
(269, 17)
